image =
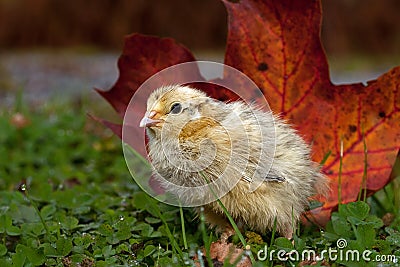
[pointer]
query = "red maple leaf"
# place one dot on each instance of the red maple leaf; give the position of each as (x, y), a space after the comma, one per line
(277, 44)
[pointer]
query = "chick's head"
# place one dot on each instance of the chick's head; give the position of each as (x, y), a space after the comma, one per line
(172, 108)
(188, 141)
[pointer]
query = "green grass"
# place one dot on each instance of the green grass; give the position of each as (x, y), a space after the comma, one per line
(67, 199)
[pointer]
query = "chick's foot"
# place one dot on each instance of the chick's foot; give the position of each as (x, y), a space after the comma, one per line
(229, 231)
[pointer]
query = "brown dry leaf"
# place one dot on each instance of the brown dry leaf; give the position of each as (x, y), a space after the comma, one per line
(220, 251)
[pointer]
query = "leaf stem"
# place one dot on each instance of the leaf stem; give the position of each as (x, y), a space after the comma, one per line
(33, 203)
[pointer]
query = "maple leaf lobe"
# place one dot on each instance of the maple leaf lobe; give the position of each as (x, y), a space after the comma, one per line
(142, 57)
(285, 35)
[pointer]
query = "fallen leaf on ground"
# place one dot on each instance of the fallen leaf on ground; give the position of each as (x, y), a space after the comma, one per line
(220, 251)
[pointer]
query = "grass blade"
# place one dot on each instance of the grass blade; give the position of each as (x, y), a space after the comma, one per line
(137, 154)
(183, 228)
(340, 173)
(363, 191)
(171, 238)
(206, 240)
(326, 156)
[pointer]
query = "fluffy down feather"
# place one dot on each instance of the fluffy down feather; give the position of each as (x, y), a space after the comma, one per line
(255, 155)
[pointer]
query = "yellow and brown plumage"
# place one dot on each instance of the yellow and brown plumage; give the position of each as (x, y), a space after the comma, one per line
(193, 137)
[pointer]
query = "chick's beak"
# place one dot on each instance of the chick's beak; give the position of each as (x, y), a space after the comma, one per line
(148, 119)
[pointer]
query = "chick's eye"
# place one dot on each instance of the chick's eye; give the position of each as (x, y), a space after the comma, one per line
(176, 108)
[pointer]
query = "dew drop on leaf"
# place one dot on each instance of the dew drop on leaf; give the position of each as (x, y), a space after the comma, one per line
(192, 253)
(132, 263)
(124, 202)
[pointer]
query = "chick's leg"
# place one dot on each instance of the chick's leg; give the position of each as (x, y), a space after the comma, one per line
(228, 232)
(288, 233)
(220, 223)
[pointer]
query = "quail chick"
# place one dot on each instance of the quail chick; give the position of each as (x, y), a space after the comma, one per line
(259, 164)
